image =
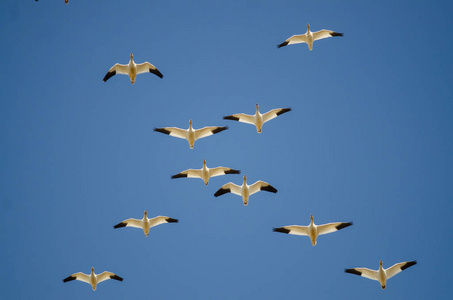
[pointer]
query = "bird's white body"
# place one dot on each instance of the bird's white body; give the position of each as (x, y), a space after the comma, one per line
(313, 230)
(205, 173)
(93, 279)
(381, 275)
(309, 37)
(191, 134)
(145, 224)
(132, 69)
(258, 119)
(245, 190)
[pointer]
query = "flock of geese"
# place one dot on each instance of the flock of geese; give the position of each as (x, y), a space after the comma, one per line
(245, 191)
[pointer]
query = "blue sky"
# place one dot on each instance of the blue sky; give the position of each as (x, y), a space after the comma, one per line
(369, 140)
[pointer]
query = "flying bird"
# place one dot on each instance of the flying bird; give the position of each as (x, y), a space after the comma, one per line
(205, 173)
(132, 70)
(190, 134)
(258, 119)
(312, 230)
(145, 223)
(309, 37)
(245, 191)
(92, 278)
(382, 275)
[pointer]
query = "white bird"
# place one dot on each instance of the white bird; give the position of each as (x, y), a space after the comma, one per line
(145, 223)
(205, 173)
(312, 230)
(132, 70)
(190, 134)
(258, 119)
(309, 37)
(92, 278)
(381, 275)
(245, 191)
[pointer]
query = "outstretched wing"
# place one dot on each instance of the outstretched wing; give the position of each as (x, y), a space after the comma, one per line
(190, 173)
(295, 39)
(322, 34)
(108, 275)
(332, 227)
(274, 113)
(293, 229)
(241, 118)
(116, 69)
(129, 223)
(78, 276)
(147, 67)
(364, 272)
(222, 171)
(228, 188)
(207, 131)
(396, 268)
(161, 220)
(173, 131)
(261, 186)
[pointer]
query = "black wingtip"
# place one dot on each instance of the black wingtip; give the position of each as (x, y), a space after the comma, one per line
(233, 118)
(162, 130)
(119, 225)
(109, 75)
(283, 44)
(232, 171)
(221, 191)
(408, 264)
(178, 176)
(353, 271)
(116, 277)
(269, 188)
(336, 34)
(156, 72)
(69, 278)
(344, 225)
(219, 129)
(281, 229)
(284, 110)
(171, 220)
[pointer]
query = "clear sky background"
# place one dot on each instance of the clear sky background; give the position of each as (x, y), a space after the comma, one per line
(369, 140)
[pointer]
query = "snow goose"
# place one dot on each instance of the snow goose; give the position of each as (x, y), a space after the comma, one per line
(92, 279)
(313, 230)
(205, 173)
(309, 37)
(382, 275)
(245, 191)
(132, 70)
(191, 135)
(258, 119)
(145, 223)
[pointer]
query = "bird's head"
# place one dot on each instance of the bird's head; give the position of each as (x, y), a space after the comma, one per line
(92, 269)
(245, 178)
(132, 56)
(311, 218)
(308, 27)
(146, 213)
(204, 162)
